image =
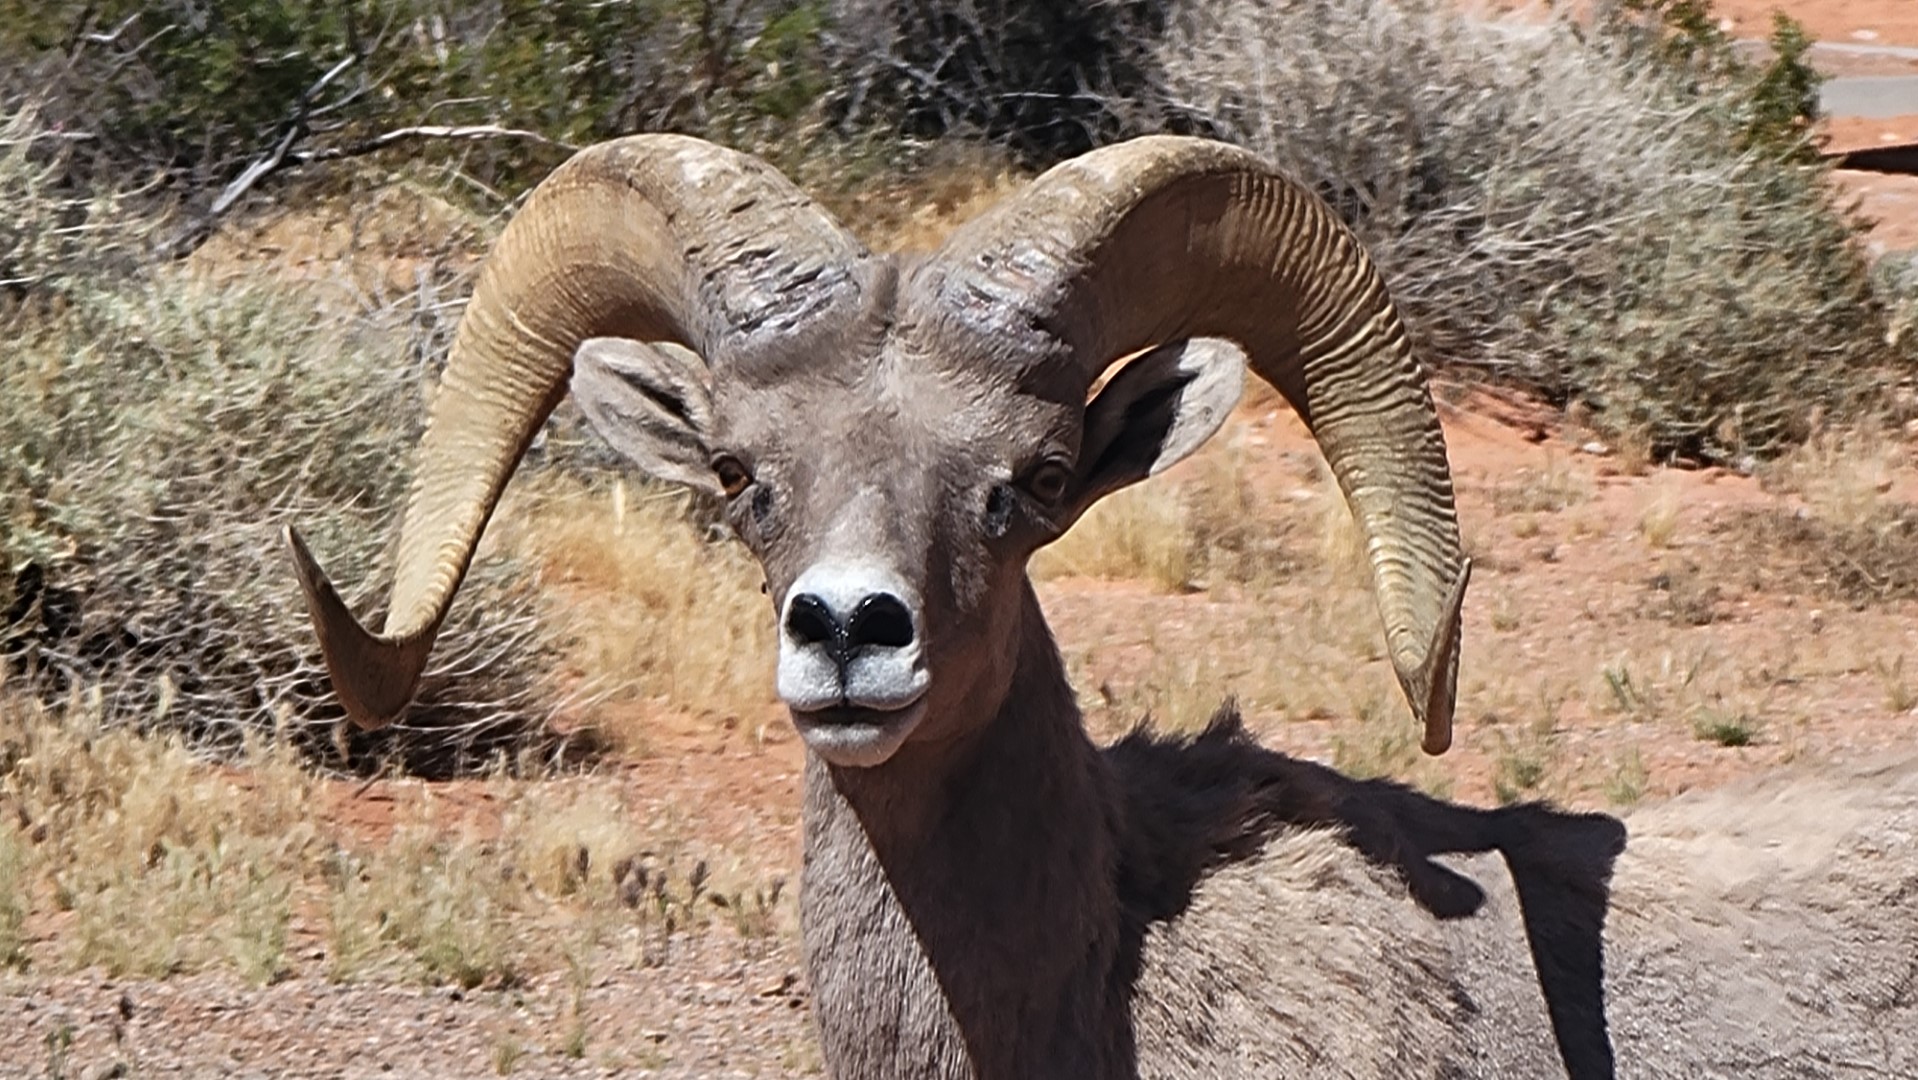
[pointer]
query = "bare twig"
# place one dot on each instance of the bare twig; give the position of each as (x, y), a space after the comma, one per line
(471, 132)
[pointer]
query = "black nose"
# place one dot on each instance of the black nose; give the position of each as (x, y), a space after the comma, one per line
(879, 620)
(811, 622)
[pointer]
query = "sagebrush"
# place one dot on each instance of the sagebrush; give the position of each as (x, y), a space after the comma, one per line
(1588, 211)
(155, 433)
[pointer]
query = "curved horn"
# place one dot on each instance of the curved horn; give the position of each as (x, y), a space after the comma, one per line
(652, 237)
(1164, 238)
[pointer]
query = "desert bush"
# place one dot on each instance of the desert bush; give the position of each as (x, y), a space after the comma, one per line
(194, 91)
(1046, 79)
(154, 434)
(49, 234)
(1576, 210)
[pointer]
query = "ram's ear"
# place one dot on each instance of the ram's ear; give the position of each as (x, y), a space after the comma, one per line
(652, 404)
(1159, 408)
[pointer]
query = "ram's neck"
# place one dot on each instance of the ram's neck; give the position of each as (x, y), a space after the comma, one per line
(958, 907)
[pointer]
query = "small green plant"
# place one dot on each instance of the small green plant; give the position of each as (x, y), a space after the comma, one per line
(1625, 785)
(1628, 696)
(1520, 768)
(1726, 727)
(59, 1042)
(579, 979)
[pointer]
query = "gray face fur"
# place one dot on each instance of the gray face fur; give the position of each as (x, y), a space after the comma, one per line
(893, 496)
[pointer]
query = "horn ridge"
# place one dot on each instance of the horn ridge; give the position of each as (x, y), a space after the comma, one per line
(1168, 237)
(652, 237)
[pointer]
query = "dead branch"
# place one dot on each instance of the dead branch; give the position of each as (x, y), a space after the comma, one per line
(473, 132)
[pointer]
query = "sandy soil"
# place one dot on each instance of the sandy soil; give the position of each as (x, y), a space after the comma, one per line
(1875, 22)
(1567, 600)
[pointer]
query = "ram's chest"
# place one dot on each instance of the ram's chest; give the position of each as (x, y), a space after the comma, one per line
(1303, 961)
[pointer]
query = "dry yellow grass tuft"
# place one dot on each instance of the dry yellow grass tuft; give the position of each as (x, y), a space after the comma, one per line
(1140, 533)
(649, 604)
(438, 903)
(1207, 525)
(1842, 477)
(1847, 536)
(165, 864)
(1548, 490)
(161, 864)
(571, 836)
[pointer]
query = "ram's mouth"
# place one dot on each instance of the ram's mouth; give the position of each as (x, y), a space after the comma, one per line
(855, 736)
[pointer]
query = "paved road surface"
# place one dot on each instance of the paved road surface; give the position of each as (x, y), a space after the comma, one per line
(1873, 97)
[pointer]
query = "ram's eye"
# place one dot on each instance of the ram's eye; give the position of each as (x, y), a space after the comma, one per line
(1047, 483)
(733, 475)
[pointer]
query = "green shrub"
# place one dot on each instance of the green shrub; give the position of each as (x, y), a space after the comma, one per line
(195, 90)
(50, 233)
(1771, 106)
(1611, 216)
(1045, 78)
(154, 434)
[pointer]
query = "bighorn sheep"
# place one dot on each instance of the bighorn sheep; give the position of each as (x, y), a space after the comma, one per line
(986, 893)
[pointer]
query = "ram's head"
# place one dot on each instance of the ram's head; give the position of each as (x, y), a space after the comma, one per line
(893, 440)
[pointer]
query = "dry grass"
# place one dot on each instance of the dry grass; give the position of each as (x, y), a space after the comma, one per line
(921, 194)
(1835, 531)
(1625, 784)
(1140, 533)
(1376, 742)
(1685, 594)
(14, 901)
(1842, 476)
(651, 601)
(1291, 654)
(1215, 524)
(160, 864)
(1869, 560)
(1659, 518)
(1900, 696)
(1273, 595)
(1718, 697)
(436, 903)
(165, 865)
(1557, 486)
